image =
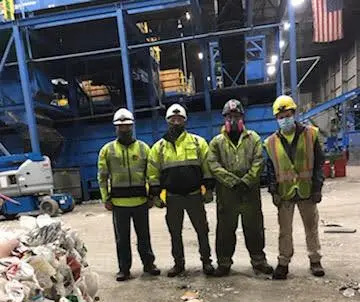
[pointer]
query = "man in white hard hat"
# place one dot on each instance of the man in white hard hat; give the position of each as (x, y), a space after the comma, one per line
(122, 181)
(178, 164)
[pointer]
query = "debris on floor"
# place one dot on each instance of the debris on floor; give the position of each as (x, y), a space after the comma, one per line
(44, 261)
(336, 228)
(190, 296)
(350, 289)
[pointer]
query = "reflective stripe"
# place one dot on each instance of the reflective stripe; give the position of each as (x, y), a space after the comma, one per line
(191, 193)
(155, 164)
(291, 176)
(125, 184)
(134, 169)
(192, 162)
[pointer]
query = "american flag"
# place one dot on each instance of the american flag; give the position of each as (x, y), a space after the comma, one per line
(328, 20)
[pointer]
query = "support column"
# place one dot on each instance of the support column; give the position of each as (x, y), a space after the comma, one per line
(26, 89)
(292, 44)
(6, 53)
(152, 98)
(125, 61)
(205, 74)
(279, 79)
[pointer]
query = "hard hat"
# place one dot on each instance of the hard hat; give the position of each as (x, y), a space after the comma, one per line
(123, 117)
(283, 103)
(233, 106)
(176, 109)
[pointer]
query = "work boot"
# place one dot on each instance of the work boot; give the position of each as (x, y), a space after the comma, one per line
(263, 268)
(316, 269)
(152, 270)
(281, 272)
(175, 271)
(222, 271)
(123, 276)
(208, 269)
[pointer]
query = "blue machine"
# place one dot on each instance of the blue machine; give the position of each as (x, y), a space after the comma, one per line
(26, 185)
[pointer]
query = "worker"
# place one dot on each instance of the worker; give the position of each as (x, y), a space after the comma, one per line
(122, 180)
(295, 177)
(235, 159)
(177, 164)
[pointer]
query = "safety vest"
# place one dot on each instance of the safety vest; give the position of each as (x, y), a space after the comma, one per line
(125, 170)
(293, 177)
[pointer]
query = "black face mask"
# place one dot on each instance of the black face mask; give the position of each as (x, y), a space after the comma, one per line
(175, 130)
(125, 138)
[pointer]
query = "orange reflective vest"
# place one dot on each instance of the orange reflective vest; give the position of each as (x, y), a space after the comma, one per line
(293, 177)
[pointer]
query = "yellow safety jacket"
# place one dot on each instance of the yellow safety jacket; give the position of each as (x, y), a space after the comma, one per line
(122, 173)
(180, 168)
(293, 178)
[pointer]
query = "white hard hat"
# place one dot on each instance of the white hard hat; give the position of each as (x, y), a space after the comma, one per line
(123, 117)
(176, 109)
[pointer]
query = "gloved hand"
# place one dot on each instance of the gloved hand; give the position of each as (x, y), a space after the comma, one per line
(242, 187)
(208, 196)
(108, 205)
(316, 197)
(150, 202)
(158, 202)
(276, 200)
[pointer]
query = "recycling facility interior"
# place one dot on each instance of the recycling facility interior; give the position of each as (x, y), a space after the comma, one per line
(67, 65)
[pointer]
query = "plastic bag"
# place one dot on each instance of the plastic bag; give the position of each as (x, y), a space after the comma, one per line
(15, 291)
(44, 272)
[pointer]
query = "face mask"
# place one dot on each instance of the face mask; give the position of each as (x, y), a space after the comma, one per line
(125, 137)
(234, 125)
(176, 130)
(287, 124)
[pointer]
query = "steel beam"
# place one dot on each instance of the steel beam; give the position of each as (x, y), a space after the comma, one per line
(125, 60)
(292, 43)
(250, 12)
(205, 75)
(26, 89)
(349, 96)
(6, 52)
(278, 63)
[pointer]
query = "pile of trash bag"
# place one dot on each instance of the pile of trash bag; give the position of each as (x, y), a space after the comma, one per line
(44, 261)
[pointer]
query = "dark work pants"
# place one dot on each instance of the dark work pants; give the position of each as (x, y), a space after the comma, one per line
(231, 204)
(193, 204)
(121, 220)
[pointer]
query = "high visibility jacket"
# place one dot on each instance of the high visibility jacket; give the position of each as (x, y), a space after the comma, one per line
(294, 177)
(181, 167)
(232, 164)
(122, 173)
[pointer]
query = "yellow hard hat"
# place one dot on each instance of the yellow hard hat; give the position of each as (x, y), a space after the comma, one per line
(283, 103)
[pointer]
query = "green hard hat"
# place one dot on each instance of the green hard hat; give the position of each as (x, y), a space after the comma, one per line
(233, 105)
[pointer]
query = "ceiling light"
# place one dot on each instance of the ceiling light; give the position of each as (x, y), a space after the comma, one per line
(200, 55)
(297, 2)
(286, 25)
(274, 59)
(187, 16)
(179, 26)
(271, 70)
(281, 43)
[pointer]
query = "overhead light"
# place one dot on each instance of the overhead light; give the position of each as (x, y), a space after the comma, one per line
(209, 79)
(271, 70)
(286, 25)
(200, 55)
(281, 43)
(187, 16)
(274, 59)
(179, 26)
(297, 2)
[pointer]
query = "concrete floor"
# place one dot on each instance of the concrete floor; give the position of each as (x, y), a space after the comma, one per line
(341, 255)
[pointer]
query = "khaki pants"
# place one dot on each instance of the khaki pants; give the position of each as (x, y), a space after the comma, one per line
(310, 217)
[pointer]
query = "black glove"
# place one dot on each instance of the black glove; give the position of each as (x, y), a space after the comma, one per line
(316, 197)
(208, 196)
(158, 202)
(276, 200)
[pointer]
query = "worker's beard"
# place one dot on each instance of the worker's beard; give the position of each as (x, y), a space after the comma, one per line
(125, 138)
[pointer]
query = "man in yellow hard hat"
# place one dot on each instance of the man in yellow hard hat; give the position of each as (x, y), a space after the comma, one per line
(295, 178)
(122, 181)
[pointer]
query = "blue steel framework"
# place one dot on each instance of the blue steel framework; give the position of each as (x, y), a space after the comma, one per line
(118, 11)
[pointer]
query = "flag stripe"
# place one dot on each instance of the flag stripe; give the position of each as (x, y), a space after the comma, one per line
(328, 21)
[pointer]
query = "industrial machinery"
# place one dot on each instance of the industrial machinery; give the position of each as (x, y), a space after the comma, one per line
(26, 185)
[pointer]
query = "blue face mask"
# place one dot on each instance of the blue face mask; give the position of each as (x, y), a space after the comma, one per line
(287, 124)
